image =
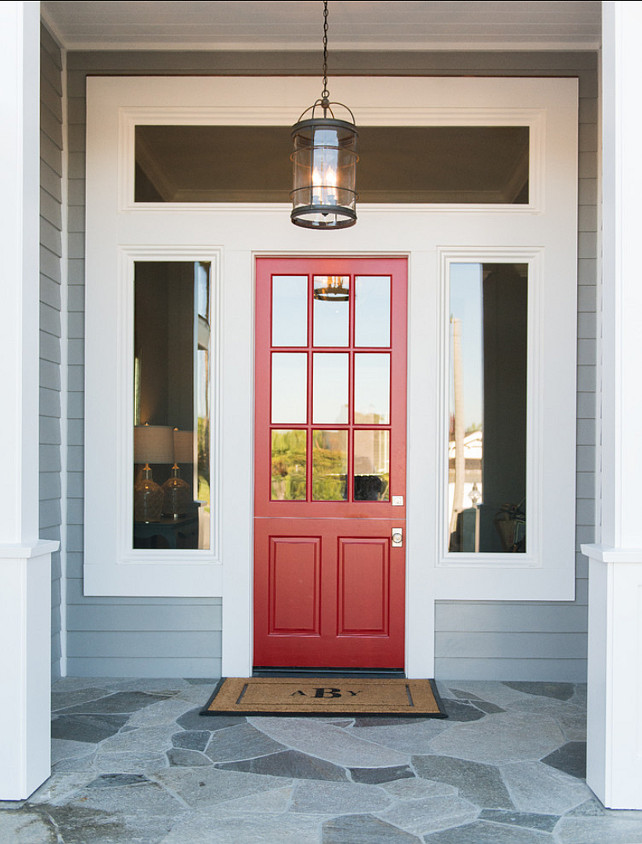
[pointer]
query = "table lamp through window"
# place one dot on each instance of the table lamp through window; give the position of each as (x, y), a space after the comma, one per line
(153, 444)
(177, 497)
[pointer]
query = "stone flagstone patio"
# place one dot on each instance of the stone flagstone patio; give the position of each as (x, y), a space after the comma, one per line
(133, 761)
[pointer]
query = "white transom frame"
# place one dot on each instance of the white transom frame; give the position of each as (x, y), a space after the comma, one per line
(538, 103)
(232, 236)
(130, 118)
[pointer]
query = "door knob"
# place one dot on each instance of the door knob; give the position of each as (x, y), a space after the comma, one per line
(397, 537)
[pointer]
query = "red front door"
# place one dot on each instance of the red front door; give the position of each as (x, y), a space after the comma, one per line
(330, 450)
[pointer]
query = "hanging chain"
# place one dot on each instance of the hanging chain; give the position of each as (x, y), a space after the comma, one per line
(325, 94)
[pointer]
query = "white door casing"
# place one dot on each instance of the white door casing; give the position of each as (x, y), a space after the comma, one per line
(542, 234)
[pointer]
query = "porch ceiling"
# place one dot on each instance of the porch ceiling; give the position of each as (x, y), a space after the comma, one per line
(354, 25)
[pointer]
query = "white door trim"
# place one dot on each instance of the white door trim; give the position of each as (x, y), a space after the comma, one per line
(234, 234)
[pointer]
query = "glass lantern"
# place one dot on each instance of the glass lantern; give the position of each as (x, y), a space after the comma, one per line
(324, 163)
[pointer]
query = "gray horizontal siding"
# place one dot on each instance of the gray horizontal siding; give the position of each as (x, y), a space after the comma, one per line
(122, 666)
(547, 670)
(526, 646)
(544, 641)
(139, 644)
(75, 598)
(500, 618)
(51, 228)
(147, 619)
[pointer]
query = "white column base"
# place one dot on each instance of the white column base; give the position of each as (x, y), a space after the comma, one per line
(614, 707)
(25, 667)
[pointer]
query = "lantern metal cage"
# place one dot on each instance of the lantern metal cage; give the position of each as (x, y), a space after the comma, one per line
(324, 163)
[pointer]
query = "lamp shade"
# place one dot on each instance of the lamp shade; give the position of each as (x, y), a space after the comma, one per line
(153, 444)
(183, 446)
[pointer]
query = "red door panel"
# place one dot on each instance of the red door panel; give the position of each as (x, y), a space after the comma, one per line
(363, 577)
(330, 462)
(294, 585)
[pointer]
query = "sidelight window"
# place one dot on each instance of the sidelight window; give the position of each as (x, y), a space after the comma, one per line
(488, 316)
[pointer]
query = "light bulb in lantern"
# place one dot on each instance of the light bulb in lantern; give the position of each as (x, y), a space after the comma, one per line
(331, 185)
(317, 184)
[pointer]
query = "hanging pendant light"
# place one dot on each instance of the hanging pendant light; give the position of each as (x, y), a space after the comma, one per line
(324, 161)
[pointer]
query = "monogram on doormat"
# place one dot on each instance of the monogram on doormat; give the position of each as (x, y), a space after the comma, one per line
(324, 696)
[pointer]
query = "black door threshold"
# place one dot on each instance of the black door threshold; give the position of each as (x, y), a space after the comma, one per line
(377, 673)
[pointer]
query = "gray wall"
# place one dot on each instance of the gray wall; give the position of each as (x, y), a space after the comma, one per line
(490, 640)
(112, 637)
(51, 226)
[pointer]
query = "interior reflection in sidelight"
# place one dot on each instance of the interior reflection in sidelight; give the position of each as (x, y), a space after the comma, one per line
(487, 405)
(172, 341)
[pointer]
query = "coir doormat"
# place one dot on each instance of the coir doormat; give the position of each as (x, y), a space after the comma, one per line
(324, 696)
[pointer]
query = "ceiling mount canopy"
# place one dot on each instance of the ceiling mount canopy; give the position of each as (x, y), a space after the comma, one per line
(324, 160)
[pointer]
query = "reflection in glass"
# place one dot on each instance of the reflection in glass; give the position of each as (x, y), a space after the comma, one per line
(289, 310)
(331, 310)
(372, 389)
(330, 393)
(172, 405)
(372, 311)
(371, 465)
(329, 465)
(288, 466)
(487, 432)
(289, 387)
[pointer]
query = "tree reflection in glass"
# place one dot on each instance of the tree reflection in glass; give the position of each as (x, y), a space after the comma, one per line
(329, 465)
(288, 465)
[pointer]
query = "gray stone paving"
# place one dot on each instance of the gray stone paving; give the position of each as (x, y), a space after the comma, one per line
(134, 761)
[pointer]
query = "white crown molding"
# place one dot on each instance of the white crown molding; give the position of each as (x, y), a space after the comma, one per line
(468, 46)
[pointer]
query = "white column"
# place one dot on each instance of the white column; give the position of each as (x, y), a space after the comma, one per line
(614, 749)
(25, 563)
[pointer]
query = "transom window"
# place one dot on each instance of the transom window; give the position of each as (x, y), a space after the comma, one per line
(423, 164)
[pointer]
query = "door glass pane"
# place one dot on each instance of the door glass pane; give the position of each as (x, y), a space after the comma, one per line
(371, 465)
(371, 389)
(289, 310)
(330, 397)
(288, 466)
(289, 387)
(172, 342)
(487, 435)
(329, 465)
(331, 310)
(372, 311)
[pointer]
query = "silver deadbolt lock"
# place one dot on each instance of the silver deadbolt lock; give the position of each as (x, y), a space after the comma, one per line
(397, 537)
